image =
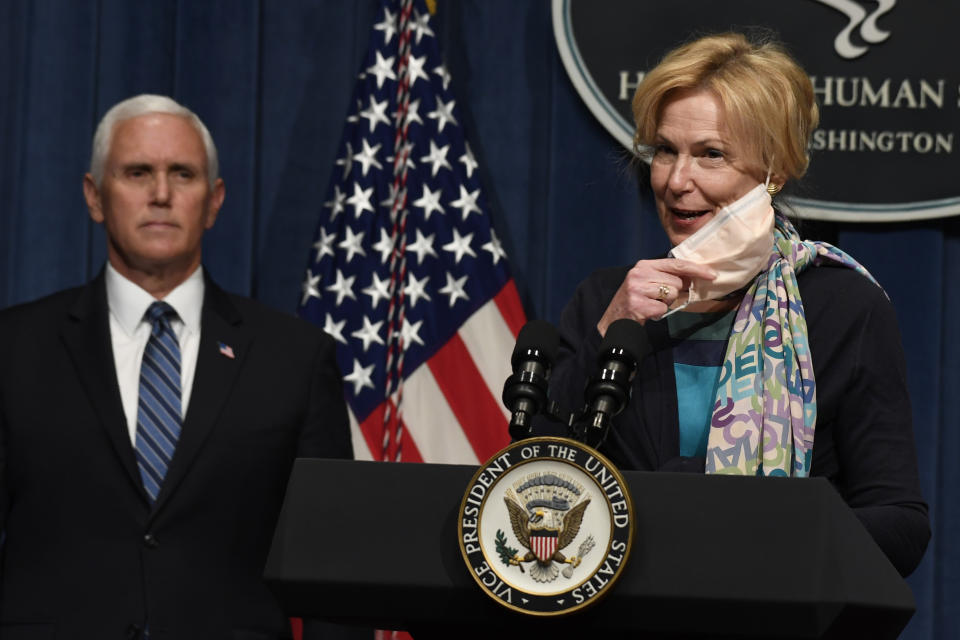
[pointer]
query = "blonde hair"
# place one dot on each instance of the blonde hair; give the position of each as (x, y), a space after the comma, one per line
(767, 98)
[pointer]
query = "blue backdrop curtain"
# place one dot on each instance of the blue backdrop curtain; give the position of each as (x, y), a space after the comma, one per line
(272, 80)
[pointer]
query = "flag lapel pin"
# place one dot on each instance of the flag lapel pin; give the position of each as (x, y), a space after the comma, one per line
(226, 350)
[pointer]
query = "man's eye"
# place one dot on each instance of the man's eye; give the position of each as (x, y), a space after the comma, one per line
(714, 154)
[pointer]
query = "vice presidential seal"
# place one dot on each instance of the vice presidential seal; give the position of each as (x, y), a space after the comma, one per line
(546, 526)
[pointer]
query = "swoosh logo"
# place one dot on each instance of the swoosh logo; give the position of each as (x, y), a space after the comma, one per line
(867, 24)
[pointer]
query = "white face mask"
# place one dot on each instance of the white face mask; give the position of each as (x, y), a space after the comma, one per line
(736, 243)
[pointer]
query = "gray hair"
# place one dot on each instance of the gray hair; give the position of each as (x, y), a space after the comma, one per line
(139, 106)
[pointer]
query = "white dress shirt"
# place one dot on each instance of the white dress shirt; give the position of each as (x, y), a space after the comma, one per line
(129, 332)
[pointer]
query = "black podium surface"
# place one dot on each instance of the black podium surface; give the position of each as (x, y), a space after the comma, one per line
(375, 544)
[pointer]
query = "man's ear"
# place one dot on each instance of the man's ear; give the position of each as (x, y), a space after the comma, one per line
(216, 201)
(92, 195)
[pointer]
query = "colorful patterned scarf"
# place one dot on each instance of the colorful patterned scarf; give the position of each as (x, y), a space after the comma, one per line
(766, 382)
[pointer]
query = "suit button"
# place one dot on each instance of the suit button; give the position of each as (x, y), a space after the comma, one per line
(150, 542)
(133, 632)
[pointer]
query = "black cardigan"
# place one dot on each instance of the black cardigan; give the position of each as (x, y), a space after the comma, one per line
(864, 436)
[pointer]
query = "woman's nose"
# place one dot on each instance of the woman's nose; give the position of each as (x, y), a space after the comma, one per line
(680, 174)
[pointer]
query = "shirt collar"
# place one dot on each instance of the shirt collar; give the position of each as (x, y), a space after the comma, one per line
(128, 302)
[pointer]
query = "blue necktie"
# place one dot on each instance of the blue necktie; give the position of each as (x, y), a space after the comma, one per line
(158, 408)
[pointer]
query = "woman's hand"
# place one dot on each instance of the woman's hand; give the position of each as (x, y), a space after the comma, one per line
(649, 289)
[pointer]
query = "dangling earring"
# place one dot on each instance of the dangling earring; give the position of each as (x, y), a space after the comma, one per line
(774, 189)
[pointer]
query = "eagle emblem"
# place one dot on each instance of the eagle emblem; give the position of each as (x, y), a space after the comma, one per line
(546, 511)
(527, 529)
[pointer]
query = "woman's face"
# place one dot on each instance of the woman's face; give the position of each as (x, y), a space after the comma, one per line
(697, 168)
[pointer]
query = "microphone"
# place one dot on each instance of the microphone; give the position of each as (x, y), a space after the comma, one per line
(624, 345)
(525, 392)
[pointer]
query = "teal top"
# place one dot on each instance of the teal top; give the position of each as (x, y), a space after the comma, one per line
(699, 343)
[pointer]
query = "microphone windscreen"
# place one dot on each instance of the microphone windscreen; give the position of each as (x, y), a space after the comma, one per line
(537, 336)
(626, 335)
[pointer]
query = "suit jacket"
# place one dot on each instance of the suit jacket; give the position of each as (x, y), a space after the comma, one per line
(85, 555)
(864, 436)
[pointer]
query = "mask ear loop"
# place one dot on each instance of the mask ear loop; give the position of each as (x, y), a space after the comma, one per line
(771, 189)
(670, 312)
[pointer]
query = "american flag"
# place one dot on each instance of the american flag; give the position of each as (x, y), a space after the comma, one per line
(227, 350)
(406, 271)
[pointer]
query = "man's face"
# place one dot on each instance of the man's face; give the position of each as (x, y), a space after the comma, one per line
(155, 199)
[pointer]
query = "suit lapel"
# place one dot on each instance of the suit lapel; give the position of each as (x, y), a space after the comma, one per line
(216, 373)
(85, 332)
(658, 406)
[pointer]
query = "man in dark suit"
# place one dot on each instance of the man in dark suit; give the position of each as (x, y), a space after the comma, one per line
(144, 447)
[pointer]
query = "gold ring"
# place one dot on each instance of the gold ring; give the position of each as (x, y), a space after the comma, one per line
(663, 292)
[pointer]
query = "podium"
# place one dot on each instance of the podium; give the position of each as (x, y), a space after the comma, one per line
(375, 544)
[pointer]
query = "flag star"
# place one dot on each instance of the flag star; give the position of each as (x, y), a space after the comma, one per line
(343, 287)
(346, 161)
(406, 150)
(420, 25)
(375, 112)
(324, 245)
(384, 246)
(352, 244)
(467, 202)
(413, 113)
(382, 68)
(444, 75)
(495, 248)
(336, 204)
(416, 289)
(388, 26)
(437, 157)
(360, 200)
(422, 246)
(410, 333)
(370, 332)
(454, 288)
(429, 201)
(391, 197)
(368, 156)
(460, 246)
(360, 377)
(334, 329)
(309, 287)
(378, 289)
(469, 162)
(415, 70)
(443, 114)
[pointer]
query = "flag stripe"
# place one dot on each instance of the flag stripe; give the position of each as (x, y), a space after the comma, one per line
(484, 328)
(432, 423)
(361, 449)
(372, 429)
(475, 407)
(508, 301)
